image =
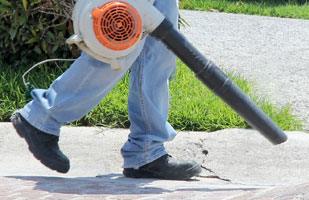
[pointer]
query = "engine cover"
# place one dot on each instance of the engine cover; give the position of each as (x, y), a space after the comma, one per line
(110, 30)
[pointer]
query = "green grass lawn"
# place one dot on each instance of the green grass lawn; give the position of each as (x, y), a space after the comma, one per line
(193, 106)
(275, 8)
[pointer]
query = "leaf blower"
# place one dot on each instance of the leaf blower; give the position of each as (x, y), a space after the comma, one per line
(109, 30)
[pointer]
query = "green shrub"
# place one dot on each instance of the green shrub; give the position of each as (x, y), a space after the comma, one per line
(34, 30)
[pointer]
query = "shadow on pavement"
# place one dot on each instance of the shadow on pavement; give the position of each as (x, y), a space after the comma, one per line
(115, 184)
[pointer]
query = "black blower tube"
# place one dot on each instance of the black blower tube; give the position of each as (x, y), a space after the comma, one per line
(218, 82)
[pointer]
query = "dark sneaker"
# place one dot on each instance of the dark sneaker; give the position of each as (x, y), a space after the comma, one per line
(43, 146)
(165, 167)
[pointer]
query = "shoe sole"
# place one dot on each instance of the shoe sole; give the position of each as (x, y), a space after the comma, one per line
(50, 164)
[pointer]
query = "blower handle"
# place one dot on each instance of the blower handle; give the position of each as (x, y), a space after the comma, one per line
(218, 82)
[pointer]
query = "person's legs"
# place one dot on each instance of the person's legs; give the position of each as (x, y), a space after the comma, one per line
(69, 97)
(72, 95)
(83, 86)
(144, 154)
(148, 102)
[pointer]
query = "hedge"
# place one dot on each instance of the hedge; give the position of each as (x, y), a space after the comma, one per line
(34, 30)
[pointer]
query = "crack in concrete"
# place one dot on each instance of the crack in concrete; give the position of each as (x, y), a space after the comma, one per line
(205, 152)
(213, 176)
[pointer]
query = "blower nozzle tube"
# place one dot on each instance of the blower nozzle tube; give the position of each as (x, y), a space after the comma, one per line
(218, 82)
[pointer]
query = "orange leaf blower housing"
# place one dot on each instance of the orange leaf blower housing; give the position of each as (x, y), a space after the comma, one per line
(110, 30)
(117, 25)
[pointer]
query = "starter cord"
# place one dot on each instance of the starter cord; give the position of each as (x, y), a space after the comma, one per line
(40, 63)
(30, 86)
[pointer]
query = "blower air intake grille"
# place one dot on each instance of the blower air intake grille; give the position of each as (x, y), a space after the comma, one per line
(117, 25)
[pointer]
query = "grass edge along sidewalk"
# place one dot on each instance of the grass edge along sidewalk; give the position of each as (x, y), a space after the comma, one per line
(193, 106)
(298, 9)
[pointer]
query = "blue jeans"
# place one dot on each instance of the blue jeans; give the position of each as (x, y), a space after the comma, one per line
(78, 90)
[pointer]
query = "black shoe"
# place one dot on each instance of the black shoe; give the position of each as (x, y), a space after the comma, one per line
(165, 167)
(43, 146)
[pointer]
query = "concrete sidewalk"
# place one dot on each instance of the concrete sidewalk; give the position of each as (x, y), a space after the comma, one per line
(240, 164)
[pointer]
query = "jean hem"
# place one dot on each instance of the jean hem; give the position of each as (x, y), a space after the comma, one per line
(39, 126)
